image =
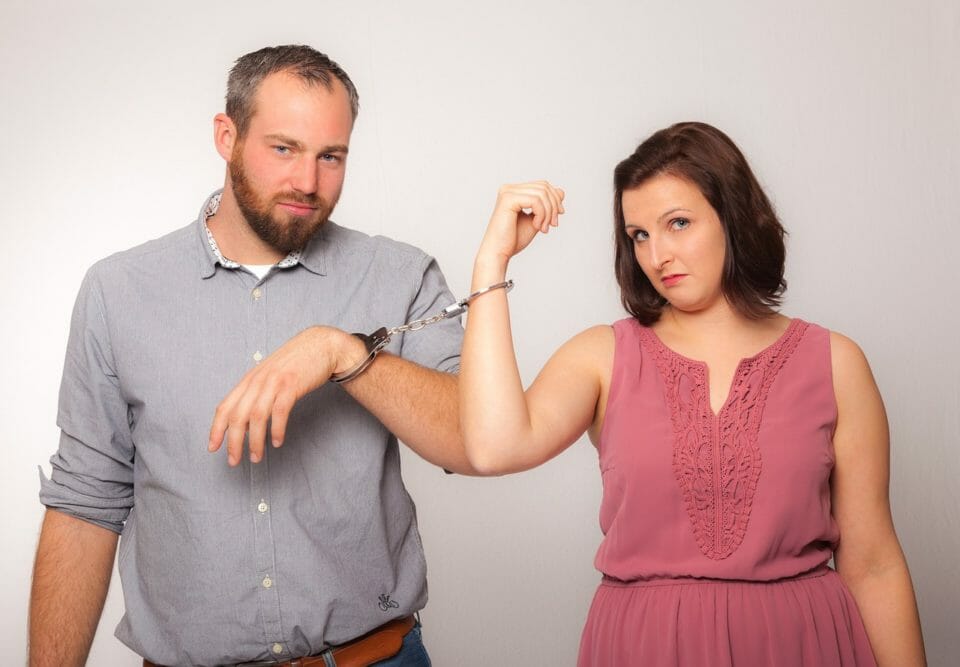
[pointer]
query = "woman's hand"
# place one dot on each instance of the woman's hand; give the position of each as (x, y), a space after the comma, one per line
(522, 210)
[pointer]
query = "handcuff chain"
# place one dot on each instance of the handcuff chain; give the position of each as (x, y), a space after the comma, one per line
(416, 325)
(453, 310)
(381, 337)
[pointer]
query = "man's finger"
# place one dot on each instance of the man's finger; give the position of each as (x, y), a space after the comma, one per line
(256, 434)
(221, 419)
(281, 412)
(259, 414)
(235, 436)
(218, 428)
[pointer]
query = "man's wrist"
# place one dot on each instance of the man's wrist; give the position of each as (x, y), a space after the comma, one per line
(371, 345)
(348, 350)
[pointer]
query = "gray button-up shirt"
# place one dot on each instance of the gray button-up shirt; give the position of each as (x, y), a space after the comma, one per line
(313, 546)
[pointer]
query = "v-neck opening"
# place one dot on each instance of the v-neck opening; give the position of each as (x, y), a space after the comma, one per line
(772, 347)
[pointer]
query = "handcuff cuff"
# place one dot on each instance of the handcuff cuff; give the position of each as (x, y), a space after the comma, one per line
(379, 339)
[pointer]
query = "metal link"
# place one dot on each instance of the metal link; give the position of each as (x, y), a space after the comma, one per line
(416, 325)
(379, 338)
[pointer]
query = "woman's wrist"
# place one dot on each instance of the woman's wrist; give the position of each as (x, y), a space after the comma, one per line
(489, 269)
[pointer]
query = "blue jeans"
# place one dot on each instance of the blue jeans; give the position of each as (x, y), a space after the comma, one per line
(412, 653)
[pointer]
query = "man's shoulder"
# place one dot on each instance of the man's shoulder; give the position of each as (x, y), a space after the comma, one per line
(351, 242)
(176, 246)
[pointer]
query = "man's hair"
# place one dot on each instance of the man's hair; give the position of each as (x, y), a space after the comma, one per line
(752, 279)
(304, 62)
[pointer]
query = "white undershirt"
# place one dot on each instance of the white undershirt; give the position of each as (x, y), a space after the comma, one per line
(259, 270)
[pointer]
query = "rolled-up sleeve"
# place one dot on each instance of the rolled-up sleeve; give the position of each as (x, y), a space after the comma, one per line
(438, 345)
(92, 471)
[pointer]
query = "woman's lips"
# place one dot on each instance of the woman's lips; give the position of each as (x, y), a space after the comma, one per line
(673, 279)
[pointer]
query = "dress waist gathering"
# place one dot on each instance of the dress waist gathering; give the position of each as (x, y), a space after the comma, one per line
(653, 582)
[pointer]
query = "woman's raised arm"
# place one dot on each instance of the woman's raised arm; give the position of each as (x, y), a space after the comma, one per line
(504, 428)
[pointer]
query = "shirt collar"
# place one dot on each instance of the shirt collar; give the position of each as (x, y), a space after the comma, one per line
(311, 257)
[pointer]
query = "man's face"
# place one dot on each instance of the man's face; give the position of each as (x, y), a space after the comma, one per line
(287, 171)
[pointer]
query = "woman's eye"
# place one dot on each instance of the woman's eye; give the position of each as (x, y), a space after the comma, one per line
(639, 235)
(680, 223)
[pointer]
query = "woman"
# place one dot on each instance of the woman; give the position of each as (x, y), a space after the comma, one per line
(739, 449)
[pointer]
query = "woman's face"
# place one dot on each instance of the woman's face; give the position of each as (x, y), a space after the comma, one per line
(678, 241)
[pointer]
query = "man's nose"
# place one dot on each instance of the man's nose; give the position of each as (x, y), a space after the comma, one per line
(304, 177)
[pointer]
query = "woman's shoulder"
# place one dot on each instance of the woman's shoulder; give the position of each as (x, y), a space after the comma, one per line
(845, 353)
(591, 350)
(596, 340)
(849, 363)
(849, 366)
(843, 345)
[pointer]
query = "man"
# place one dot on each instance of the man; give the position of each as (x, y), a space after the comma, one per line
(288, 551)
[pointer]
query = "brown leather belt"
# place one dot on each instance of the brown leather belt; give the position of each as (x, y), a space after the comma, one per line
(378, 644)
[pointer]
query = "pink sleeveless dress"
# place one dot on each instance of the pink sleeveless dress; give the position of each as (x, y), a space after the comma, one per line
(717, 528)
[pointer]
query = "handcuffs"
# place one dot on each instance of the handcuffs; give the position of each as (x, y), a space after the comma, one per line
(376, 341)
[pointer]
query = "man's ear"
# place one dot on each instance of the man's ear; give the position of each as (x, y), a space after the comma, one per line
(224, 135)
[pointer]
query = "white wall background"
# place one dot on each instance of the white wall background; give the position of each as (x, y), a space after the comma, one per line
(848, 111)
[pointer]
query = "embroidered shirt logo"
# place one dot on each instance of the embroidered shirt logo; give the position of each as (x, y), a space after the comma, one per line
(386, 604)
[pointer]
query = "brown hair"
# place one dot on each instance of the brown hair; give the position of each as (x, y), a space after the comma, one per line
(753, 265)
(303, 61)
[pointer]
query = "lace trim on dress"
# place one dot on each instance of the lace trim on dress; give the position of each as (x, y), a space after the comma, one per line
(716, 459)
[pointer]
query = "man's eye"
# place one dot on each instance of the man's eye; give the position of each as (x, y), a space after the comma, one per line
(282, 150)
(330, 157)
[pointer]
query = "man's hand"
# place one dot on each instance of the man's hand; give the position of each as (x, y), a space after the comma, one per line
(269, 391)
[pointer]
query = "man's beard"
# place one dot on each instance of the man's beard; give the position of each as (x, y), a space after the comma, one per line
(284, 236)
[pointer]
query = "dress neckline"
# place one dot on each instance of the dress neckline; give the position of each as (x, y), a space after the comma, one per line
(781, 339)
(793, 325)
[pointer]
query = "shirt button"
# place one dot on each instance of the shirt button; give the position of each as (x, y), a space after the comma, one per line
(257, 293)
(262, 507)
(257, 356)
(267, 582)
(277, 648)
